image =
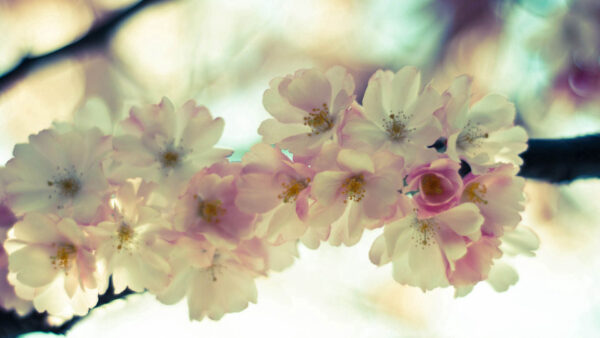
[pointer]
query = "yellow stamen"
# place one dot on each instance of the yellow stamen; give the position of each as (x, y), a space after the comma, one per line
(353, 188)
(210, 211)
(475, 192)
(124, 235)
(425, 230)
(319, 120)
(169, 159)
(64, 255)
(292, 189)
(396, 128)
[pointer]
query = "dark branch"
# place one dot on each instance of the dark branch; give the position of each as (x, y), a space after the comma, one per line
(96, 37)
(12, 325)
(562, 160)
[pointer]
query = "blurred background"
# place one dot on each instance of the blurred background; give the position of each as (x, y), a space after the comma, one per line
(59, 56)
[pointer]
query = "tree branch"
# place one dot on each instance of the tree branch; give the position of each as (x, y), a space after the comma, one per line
(562, 160)
(12, 325)
(97, 36)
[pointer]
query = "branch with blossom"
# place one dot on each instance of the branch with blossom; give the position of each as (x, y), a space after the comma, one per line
(151, 204)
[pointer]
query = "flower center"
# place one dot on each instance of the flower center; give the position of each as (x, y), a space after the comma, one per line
(470, 136)
(425, 230)
(124, 235)
(68, 187)
(64, 256)
(475, 192)
(292, 189)
(431, 185)
(169, 159)
(319, 120)
(395, 126)
(354, 188)
(210, 211)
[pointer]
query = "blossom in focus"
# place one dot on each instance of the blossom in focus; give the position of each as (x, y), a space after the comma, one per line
(438, 184)
(208, 207)
(483, 134)
(167, 146)
(358, 191)
(397, 116)
(59, 173)
(129, 242)
(273, 185)
(308, 109)
(424, 250)
(52, 264)
(215, 282)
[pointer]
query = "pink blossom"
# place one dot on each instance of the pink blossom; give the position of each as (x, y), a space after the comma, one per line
(272, 184)
(423, 251)
(358, 191)
(167, 146)
(60, 173)
(482, 134)
(52, 264)
(308, 108)
(397, 116)
(438, 184)
(475, 265)
(208, 206)
(499, 196)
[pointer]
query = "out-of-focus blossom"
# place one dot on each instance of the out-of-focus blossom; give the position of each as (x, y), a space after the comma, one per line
(271, 183)
(129, 242)
(358, 191)
(8, 299)
(438, 184)
(477, 264)
(423, 250)
(397, 116)
(482, 134)
(167, 146)
(308, 109)
(52, 264)
(208, 207)
(215, 282)
(60, 173)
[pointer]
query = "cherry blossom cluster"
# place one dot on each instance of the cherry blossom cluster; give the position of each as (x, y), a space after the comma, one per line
(150, 203)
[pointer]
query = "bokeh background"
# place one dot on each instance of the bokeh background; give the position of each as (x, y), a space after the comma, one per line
(59, 56)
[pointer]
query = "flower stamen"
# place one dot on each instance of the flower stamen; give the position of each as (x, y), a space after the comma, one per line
(125, 235)
(292, 189)
(354, 188)
(475, 192)
(210, 211)
(425, 230)
(396, 127)
(64, 255)
(319, 120)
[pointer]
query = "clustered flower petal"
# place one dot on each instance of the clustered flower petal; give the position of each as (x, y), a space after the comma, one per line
(149, 203)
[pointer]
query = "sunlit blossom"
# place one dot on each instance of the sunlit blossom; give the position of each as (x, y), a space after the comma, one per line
(53, 265)
(308, 109)
(397, 115)
(483, 134)
(161, 144)
(60, 173)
